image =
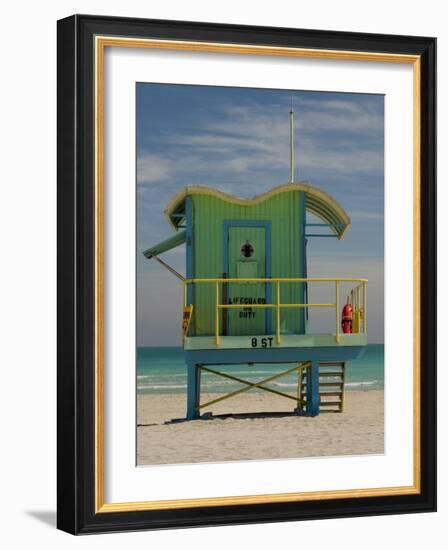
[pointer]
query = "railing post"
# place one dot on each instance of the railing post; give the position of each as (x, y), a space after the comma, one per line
(358, 299)
(217, 313)
(277, 324)
(224, 309)
(337, 310)
(364, 305)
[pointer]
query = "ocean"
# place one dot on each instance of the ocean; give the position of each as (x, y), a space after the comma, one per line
(163, 370)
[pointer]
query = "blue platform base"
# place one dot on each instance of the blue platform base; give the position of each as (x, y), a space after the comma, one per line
(315, 355)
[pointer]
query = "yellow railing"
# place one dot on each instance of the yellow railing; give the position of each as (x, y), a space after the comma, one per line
(357, 297)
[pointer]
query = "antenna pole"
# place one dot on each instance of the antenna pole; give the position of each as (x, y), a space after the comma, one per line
(291, 144)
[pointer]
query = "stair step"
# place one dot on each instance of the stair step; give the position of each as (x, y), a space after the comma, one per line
(330, 404)
(338, 401)
(326, 383)
(332, 400)
(327, 375)
(334, 392)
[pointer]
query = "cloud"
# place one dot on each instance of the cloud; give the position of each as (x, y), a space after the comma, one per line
(310, 115)
(340, 115)
(152, 168)
(365, 216)
(249, 139)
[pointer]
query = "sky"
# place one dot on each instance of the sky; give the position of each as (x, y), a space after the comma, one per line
(237, 140)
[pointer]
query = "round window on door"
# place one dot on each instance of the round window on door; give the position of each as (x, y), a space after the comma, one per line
(247, 249)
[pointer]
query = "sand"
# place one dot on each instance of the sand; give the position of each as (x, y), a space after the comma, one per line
(358, 430)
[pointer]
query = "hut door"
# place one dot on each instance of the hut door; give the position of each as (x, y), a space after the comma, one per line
(246, 253)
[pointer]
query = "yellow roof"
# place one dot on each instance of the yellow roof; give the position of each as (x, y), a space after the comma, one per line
(318, 203)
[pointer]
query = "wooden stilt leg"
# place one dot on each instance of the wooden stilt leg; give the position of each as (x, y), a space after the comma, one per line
(193, 390)
(312, 390)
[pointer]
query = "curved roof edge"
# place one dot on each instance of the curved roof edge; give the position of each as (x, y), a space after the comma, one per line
(318, 203)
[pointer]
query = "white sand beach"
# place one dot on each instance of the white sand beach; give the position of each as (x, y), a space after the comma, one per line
(358, 430)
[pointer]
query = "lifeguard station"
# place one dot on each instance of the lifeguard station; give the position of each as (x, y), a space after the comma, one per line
(246, 291)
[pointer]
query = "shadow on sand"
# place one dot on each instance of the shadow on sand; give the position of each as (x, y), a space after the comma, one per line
(236, 416)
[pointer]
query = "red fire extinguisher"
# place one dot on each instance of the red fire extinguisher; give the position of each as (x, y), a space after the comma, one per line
(347, 319)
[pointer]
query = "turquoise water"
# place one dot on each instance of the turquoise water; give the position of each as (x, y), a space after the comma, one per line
(163, 370)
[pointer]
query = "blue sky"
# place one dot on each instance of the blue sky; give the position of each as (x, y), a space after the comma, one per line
(237, 140)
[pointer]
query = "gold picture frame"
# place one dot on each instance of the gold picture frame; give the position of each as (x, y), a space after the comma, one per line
(82, 34)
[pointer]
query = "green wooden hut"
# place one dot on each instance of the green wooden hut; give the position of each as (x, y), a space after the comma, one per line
(246, 283)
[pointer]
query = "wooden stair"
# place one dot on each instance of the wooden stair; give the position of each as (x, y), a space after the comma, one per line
(331, 386)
